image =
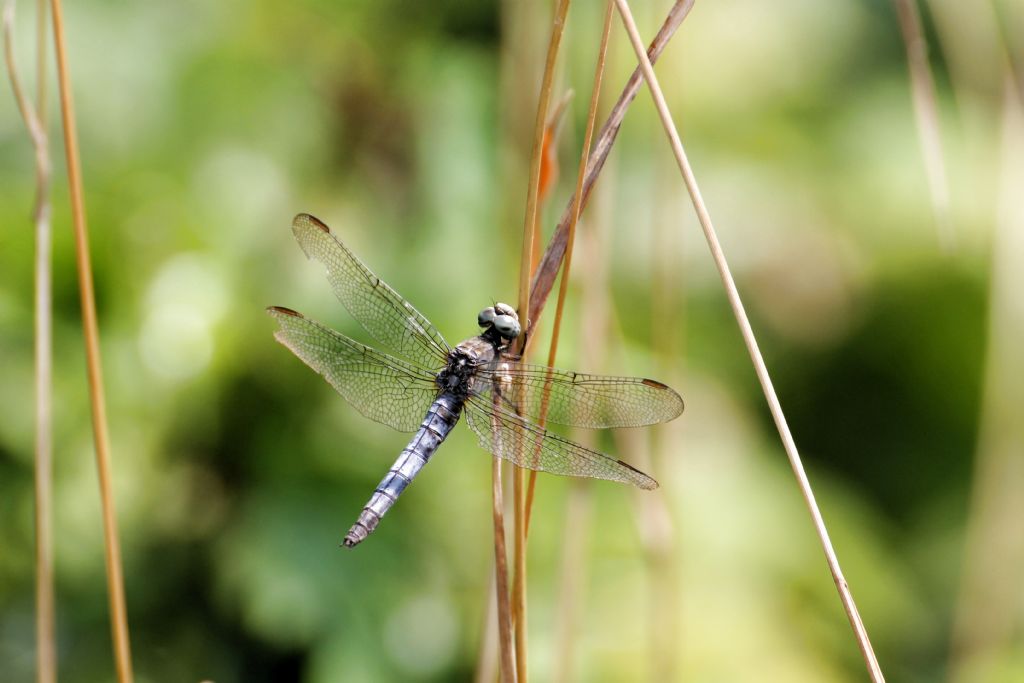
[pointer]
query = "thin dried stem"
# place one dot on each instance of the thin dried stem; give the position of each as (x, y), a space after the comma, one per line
(508, 671)
(544, 277)
(547, 271)
(115, 580)
(926, 111)
(748, 337)
(548, 177)
(530, 228)
(563, 287)
(46, 649)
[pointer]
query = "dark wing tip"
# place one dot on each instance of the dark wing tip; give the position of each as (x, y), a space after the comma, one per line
(655, 384)
(283, 311)
(312, 220)
(645, 481)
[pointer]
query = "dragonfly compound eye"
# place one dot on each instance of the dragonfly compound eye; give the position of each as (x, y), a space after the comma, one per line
(505, 309)
(507, 326)
(486, 317)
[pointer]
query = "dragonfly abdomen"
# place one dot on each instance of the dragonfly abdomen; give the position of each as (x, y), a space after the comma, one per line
(438, 423)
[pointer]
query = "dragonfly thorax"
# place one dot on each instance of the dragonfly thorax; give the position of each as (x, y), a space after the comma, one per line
(463, 362)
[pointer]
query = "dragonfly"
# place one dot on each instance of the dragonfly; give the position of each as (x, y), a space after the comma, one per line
(429, 384)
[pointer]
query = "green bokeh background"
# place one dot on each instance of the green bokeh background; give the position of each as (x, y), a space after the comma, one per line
(205, 127)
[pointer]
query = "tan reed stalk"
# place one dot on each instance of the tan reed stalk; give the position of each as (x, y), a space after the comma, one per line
(505, 646)
(748, 337)
(35, 117)
(115, 579)
(563, 286)
(549, 161)
(525, 274)
(544, 277)
(551, 261)
(926, 112)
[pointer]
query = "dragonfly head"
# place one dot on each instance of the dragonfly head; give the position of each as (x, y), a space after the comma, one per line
(502, 318)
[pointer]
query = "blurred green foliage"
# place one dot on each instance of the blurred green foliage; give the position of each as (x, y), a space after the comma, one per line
(205, 126)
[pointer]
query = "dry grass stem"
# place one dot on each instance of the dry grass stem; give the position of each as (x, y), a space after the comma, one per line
(505, 647)
(115, 579)
(34, 117)
(926, 111)
(548, 170)
(530, 228)
(544, 277)
(563, 287)
(748, 337)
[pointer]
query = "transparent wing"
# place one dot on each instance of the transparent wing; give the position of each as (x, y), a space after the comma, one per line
(515, 439)
(379, 309)
(575, 399)
(382, 388)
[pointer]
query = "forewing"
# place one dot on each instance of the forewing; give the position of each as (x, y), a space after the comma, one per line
(388, 317)
(382, 388)
(513, 438)
(579, 400)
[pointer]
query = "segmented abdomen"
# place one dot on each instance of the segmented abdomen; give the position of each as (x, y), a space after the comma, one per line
(438, 423)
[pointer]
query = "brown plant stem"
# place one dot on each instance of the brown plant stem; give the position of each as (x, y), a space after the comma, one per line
(545, 274)
(115, 579)
(544, 277)
(505, 648)
(34, 117)
(530, 228)
(751, 342)
(563, 286)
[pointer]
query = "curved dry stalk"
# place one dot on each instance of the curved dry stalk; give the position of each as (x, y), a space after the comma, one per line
(34, 117)
(926, 111)
(751, 343)
(547, 271)
(505, 649)
(563, 286)
(530, 226)
(101, 437)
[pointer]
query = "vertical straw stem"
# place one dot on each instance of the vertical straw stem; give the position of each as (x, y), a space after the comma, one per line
(563, 285)
(926, 111)
(115, 580)
(545, 273)
(34, 117)
(506, 654)
(525, 273)
(751, 343)
(544, 277)
(46, 638)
